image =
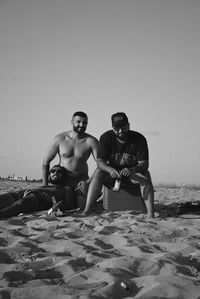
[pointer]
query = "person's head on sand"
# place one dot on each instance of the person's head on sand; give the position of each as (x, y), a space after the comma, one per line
(79, 122)
(57, 175)
(120, 125)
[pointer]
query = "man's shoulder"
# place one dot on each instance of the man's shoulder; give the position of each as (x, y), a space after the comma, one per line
(91, 138)
(60, 138)
(136, 134)
(107, 134)
(107, 137)
(63, 135)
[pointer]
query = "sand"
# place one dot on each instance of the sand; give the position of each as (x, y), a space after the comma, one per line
(105, 255)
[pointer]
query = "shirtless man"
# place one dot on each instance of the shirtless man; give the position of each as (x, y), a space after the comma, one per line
(74, 149)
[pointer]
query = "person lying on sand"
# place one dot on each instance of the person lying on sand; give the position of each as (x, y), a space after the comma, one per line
(39, 199)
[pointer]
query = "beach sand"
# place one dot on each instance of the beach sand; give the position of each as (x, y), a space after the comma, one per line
(105, 255)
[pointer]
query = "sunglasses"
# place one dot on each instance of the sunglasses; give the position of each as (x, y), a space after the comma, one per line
(56, 170)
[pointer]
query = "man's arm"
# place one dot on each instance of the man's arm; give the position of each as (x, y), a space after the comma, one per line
(94, 149)
(105, 167)
(45, 172)
(83, 185)
(140, 167)
(50, 154)
(134, 171)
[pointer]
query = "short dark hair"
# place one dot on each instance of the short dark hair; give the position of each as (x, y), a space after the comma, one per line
(80, 113)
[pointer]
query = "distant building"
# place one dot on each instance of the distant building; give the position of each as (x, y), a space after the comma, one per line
(17, 178)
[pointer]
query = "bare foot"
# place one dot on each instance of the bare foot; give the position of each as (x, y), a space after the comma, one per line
(150, 215)
(85, 213)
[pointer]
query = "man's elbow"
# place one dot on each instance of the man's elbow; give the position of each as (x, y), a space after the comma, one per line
(144, 165)
(147, 164)
(99, 162)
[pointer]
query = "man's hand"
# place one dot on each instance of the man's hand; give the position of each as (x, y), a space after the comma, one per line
(82, 187)
(114, 173)
(125, 172)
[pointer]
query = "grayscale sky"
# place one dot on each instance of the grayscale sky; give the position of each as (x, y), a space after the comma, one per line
(101, 56)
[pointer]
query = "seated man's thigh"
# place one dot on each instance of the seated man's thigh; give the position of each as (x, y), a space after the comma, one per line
(142, 177)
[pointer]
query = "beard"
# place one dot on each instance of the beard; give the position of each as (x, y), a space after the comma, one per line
(55, 179)
(122, 137)
(79, 130)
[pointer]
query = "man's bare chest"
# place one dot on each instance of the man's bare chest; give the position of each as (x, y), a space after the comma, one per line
(73, 148)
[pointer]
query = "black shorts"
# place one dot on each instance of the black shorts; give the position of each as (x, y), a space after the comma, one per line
(73, 181)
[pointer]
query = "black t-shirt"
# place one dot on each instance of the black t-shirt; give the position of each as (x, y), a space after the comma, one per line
(121, 155)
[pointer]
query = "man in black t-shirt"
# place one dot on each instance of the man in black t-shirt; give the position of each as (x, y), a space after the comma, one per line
(122, 154)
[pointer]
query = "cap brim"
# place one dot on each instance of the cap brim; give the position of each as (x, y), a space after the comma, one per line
(121, 123)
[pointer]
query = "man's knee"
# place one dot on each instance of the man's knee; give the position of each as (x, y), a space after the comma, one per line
(148, 176)
(98, 174)
(144, 179)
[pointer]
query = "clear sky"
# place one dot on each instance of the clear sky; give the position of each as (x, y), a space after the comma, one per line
(101, 56)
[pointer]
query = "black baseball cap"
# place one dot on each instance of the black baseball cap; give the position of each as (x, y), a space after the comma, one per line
(119, 119)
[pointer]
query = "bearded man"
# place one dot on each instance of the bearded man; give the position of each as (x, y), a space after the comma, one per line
(123, 154)
(73, 148)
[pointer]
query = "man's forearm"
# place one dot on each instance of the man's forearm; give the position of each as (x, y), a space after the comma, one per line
(142, 166)
(45, 173)
(103, 166)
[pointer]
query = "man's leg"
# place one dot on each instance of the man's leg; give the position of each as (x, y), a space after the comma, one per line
(80, 187)
(7, 199)
(94, 190)
(26, 204)
(147, 190)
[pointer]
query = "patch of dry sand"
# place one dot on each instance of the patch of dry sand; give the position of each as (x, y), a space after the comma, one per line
(106, 255)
